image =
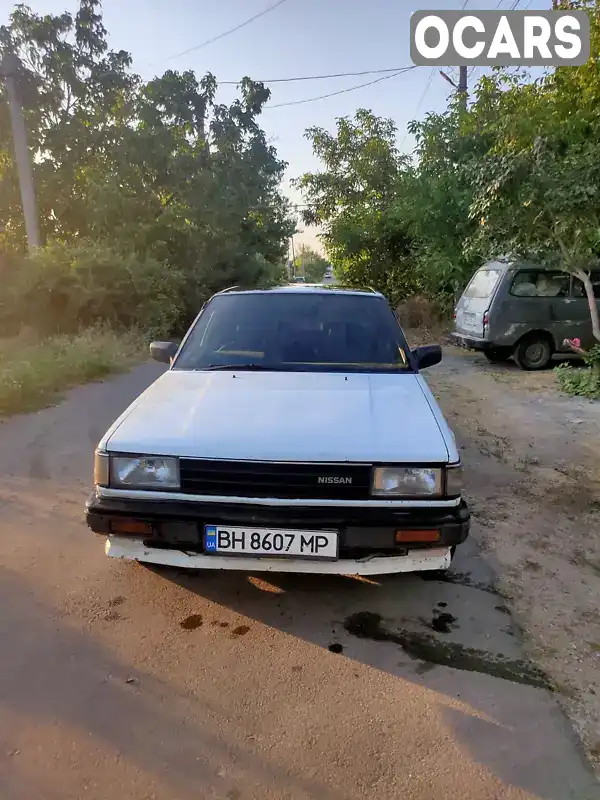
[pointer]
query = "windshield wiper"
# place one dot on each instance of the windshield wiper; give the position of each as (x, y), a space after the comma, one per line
(247, 367)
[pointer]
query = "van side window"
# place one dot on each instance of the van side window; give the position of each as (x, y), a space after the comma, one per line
(540, 283)
(579, 289)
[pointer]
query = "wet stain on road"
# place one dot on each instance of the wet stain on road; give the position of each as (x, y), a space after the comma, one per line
(241, 630)
(442, 622)
(457, 578)
(368, 625)
(192, 622)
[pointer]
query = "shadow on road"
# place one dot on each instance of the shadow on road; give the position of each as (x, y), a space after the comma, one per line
(51, 674)
(517, 732)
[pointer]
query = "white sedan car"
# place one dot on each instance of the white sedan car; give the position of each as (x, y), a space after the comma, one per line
(292, 431)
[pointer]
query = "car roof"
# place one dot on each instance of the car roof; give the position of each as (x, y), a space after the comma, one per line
(311, 288)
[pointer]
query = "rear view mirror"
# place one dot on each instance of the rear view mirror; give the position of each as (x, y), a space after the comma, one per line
(163, 352)
(427, 356)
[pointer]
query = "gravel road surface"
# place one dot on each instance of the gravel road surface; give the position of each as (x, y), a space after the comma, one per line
(119, 682)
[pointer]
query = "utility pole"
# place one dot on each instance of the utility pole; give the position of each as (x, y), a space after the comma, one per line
(462, 88)
(9, 69)
(293, 257)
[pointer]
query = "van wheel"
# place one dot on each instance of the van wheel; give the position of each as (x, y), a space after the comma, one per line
(498, 354)
(534, 352)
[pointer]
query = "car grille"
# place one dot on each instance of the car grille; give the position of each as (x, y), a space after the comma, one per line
(269, 479)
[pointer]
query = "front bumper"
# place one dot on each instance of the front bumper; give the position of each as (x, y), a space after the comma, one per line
(366, 533)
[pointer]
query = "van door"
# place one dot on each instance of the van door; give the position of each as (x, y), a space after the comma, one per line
(538, 300)
(578, 325)
(476, 300)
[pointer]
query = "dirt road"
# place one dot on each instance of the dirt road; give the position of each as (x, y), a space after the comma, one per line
(119, 682)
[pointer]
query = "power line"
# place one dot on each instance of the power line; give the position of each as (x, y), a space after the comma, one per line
(341, 91)
(225, 33)
(420, 103)
(431, 74)
(322, 77)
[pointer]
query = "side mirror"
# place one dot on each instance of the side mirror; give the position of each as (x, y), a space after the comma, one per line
(163, 352)
(427, 356)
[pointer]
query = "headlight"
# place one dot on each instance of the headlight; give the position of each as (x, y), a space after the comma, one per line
(454, 480)
(407, 482)
(144, 472)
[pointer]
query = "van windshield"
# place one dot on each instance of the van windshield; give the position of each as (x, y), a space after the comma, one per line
(483, 283)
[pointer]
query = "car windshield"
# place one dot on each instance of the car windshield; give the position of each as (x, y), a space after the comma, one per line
(310, 331)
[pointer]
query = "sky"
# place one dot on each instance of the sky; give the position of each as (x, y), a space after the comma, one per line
(297, 38)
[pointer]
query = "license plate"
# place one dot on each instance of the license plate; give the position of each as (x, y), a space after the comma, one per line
(270, 542)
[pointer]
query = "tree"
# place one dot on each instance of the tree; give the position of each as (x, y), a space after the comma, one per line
(77, 95)
(436, 195)
(351, 198)
(158, 168)
(542, 204)
(537, 188)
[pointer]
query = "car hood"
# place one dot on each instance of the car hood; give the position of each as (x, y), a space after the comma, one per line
(285, 416)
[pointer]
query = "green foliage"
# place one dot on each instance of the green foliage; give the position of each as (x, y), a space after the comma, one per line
(387, 223)
(64, 288)
(352, 198)
(517, 172)
(151, 195)
(584, 382)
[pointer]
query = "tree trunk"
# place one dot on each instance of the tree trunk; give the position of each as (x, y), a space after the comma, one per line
(589, 291)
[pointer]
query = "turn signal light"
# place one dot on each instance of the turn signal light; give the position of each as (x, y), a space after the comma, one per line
(412, 537)
(133, 527)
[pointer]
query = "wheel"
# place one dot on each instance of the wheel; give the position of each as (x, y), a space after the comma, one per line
(534, 352)
(498, 354)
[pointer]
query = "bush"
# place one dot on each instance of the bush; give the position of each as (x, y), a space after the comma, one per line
(578, 382)
(64, 288)
(420, 312)
(582, 382)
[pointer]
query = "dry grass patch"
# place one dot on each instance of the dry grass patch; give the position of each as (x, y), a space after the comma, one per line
(34, 373)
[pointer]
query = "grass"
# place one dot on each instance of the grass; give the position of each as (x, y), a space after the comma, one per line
(34, 373)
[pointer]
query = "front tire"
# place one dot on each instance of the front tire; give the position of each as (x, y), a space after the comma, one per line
(534, 352)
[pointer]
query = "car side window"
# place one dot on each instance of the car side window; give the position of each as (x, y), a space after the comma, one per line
(579, 288)
(540, 283)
